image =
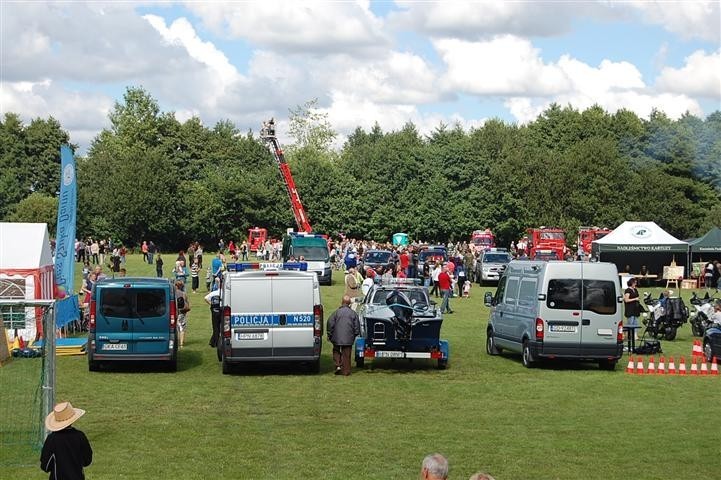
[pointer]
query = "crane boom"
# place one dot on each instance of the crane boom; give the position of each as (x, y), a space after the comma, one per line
(267, 133)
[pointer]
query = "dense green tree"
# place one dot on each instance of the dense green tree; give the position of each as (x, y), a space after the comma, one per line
(37, 208)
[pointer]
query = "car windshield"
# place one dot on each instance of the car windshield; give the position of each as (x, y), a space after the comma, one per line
(311, 253)
(496, 258)
(377, 257)
(482, 241)
(553, 236)
(417, 296)
(433, 255)
(546, 256)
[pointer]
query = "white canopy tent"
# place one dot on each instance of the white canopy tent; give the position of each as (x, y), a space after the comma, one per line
(637, 244)
(26, 272)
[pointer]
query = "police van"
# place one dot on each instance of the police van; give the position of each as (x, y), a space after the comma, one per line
(557, 309)
(271, 312)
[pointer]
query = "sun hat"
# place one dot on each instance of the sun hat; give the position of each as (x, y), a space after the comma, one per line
(63, 415)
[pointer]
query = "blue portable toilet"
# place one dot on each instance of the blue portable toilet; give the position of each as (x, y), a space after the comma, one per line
(400, 239)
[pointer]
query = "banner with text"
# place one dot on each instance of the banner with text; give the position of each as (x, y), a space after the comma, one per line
(65, 238)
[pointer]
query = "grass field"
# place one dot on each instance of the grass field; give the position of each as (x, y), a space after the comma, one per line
(559, 421)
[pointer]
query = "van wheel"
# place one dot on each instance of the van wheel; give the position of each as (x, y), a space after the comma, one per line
(173, 365)
(442, 363)
(360, 362)
(314, 366)
(93, 365)
(609, 365)
(491, 348)
(226, 367)
(527, 356)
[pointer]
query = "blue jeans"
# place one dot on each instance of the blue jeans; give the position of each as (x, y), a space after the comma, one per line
(445, 304)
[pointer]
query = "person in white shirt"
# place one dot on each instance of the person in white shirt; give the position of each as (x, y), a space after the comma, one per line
(434, 277)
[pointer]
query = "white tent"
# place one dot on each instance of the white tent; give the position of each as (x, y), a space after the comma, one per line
(26, 270)
(638, 244)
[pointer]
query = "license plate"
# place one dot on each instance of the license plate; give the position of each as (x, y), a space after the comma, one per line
(563, 328)
(115, 346)
(249, 336)
(382, 354)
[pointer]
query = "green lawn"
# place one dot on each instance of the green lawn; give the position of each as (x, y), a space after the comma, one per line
(559, 421)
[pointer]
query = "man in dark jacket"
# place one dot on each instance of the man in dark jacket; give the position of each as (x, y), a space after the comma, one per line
(66, 451)
(343, 327)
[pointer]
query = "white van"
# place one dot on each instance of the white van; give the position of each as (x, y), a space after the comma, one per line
(557, 309)
(271, 312)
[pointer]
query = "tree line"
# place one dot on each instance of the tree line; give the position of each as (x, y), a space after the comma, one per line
(150, 176)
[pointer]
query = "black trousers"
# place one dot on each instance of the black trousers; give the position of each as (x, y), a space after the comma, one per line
(215, 318)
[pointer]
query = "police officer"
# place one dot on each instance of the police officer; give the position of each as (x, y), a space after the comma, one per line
(343, 327)
(213, 299)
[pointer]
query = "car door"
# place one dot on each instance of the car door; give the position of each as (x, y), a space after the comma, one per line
(113, 324)
(251, 316)
(151, 320)
(292, 298)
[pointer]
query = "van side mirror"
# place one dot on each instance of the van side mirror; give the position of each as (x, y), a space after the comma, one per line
(488, 299)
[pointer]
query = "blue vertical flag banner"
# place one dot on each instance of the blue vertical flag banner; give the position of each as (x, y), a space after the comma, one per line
(67, 310)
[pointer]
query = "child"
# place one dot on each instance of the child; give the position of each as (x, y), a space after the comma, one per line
(66, 450)
(194, 276)
(467, 289)
(207, 279)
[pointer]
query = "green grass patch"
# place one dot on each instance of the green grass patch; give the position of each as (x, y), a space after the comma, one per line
(559, 421)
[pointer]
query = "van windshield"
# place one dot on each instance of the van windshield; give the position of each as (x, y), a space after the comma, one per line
(311, 254)
(599, 296)
(132, 303)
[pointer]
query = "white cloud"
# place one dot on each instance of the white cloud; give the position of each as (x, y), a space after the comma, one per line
(512, 67)
(81, 113)
(292, 26)
(502, 66)
(690, 19)
(700, 76)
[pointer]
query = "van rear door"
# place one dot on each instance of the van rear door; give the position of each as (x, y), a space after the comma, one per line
(563, 317)
(113, 324)
(293, 303)
(151, 320)
(251, 316)
(599, 324)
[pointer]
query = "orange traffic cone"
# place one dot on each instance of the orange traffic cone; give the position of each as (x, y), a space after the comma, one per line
(671, 366)
(704, 368)
(697, 351)
(639, 366)
(629, 367)
(661, 366)
(694, 367)
(651, 366)
(682, 366)
(714, 366)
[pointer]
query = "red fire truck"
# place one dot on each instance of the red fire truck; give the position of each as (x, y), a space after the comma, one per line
(256, 238)
(546, 243)
(483, 240)
(586, 235)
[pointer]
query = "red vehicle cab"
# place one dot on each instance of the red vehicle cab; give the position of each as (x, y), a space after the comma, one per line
(544, 240)
(483, 240)
(256, 237)
(586, 236)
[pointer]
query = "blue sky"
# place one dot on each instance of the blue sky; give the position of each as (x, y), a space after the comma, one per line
(365, 62)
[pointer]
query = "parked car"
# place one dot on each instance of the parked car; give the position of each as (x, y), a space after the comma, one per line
(378, 260)
(491, 264)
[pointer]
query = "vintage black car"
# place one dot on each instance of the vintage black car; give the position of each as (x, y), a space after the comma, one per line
(398, 320)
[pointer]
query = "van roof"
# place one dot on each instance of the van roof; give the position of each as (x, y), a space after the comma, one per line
(563, 267)
(136, 281)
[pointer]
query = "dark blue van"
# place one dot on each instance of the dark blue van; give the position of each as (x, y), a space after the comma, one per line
(133, 319)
